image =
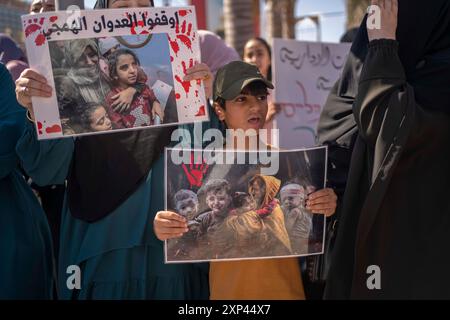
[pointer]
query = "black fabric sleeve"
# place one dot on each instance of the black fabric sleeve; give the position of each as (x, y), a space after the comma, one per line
(381, 90)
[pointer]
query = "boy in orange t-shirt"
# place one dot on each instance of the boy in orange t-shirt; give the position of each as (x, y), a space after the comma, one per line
(240, 100)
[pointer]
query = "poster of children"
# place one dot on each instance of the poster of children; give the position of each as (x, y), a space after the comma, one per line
(235, 211)
(115, 70)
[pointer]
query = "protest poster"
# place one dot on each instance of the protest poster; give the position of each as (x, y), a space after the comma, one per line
(244, 205)
(304, 74)
(114, 70)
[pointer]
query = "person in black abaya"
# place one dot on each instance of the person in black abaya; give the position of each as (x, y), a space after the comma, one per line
(391, 108)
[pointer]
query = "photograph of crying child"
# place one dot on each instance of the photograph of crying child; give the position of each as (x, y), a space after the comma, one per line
(113, 83)
(238, 211)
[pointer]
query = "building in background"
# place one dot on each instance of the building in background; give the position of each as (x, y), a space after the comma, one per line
(10, 23)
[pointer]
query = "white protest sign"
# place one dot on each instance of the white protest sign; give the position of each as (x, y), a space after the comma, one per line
(304, 73)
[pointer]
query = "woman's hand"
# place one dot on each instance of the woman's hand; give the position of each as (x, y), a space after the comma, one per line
(389, 20)
(31, 84)
(157, 110)
(168, 225)
(201, 72)
(122, 100)
(322, 202)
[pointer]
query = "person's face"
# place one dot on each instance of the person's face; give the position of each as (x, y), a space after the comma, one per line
(256, 53)
(100, 120)
(187, 208)
(218, 201)
(88, 58)
(127, 70)
(39, 6)
(114, 4)
(291, 201)
(244, 112)
(258, 191)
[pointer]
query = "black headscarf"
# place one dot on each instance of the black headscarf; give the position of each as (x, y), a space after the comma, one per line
(337, 124)
(424, 38)
(107, 169)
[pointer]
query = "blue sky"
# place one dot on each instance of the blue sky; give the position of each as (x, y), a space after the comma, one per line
(333, 26)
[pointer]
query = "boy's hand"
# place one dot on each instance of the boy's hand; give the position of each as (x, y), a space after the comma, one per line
(31, 84)
(389, 20)
(322, 202)
(201, 72)
(168, 225)
(274, 108)
(157, 110)
(122, 100)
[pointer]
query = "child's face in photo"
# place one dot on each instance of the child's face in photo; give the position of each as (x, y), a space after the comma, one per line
(88, 58)
(127, 69)
(244, 112)
(99, 120)
(187, 208)
(218, 201)
(292, 201)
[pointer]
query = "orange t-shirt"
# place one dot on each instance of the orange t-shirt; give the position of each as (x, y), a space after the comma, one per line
(262, 279)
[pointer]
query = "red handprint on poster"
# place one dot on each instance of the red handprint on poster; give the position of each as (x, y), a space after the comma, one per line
(185, 35)
(33, 27)
(185, 84)
(195, 172)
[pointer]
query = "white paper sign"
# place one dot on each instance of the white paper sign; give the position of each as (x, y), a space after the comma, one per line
(304, 73)
(104, 67)
(236, 211)
(162, 91)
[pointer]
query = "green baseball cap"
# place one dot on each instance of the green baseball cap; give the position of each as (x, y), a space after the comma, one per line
(235, 76)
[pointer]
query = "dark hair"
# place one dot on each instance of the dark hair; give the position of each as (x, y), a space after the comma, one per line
(86, 111)
(255, 88)
(115, 56)
(269, 50)
(215, 185)
(240, 199)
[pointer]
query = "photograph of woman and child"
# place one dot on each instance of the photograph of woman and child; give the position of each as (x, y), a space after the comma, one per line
(239, 213)
(113, 83)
